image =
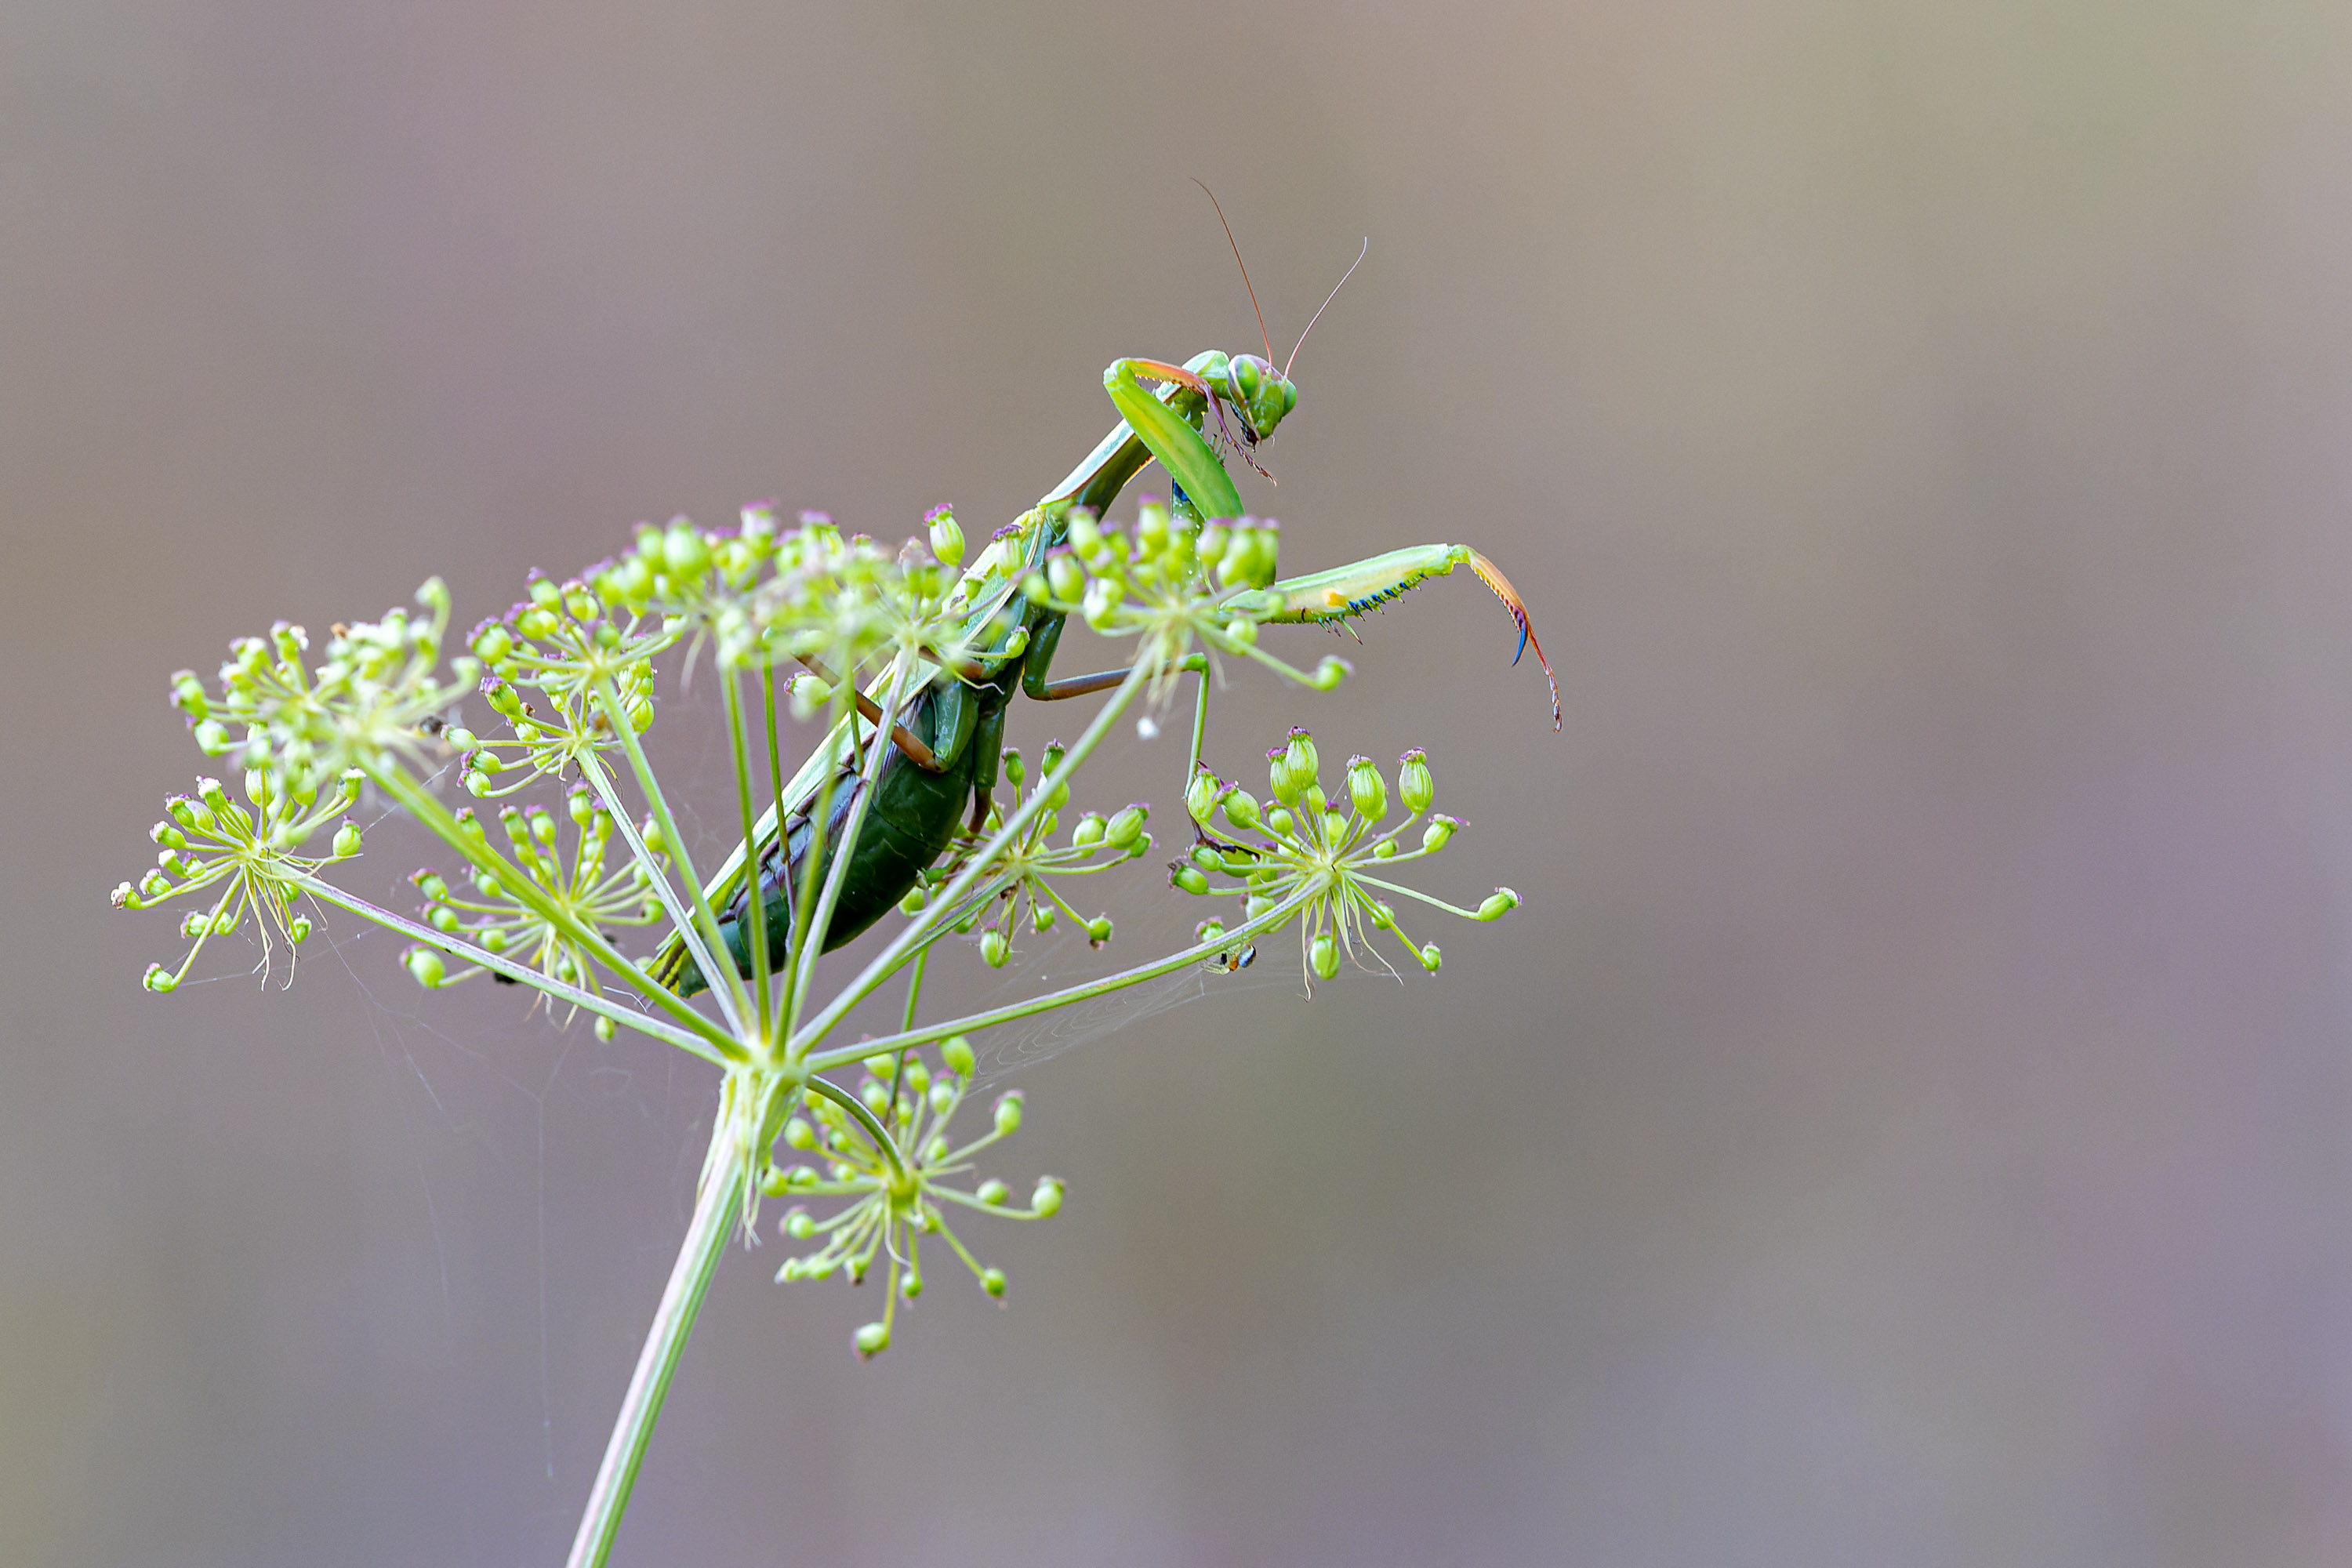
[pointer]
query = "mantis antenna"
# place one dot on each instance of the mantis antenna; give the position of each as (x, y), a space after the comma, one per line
(1319, 309)
(1245, 266)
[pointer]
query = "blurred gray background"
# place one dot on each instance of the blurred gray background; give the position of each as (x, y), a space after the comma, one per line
(1906, 1124)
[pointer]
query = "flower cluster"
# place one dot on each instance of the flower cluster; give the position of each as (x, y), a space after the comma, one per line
(888, 1150)
(1308, 844)
(1023, 875)
(364, 703)
(208, 839)
(1171, 587)
(591, 892)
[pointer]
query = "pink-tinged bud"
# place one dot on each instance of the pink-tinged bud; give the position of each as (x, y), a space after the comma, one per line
(1098, 930)
(1008, 1114)
(1440, 830)
(1089, 832)
(995, 948)
(1277, 777)
(947, 536)
(1413, 782)
(1066, 577)
(425, 967)
(1499, 902)
(1189, 878)
(1241, 808)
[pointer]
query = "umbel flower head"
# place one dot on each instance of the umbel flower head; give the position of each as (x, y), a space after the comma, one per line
(1328, 850)
(362, 703)
(888, 1150)
(1024, 876)
(591, 889)
(1171, 587)
(250, 853)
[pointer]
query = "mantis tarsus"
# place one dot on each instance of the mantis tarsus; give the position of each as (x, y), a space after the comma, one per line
(949, 734)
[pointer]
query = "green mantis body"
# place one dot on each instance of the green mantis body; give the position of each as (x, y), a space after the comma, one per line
(956, 722)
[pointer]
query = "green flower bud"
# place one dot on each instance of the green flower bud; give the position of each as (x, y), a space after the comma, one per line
(993, 1281)
(1008, 1114)
(1085, 537)
(1009, 763)
(1241, 808)
(425, 967)
(1279, 822)
(1201, 795)
(1429, 958)
(1367, 788)
(876, 1096)
(1151, 523)
(800, 1133)
(912, 904)
(605, 1029)
(1384, 917)
(1042, 917)
(990, 1191)
(1277, 776)
(1066, 577)
(956, 1052)
(911, 1285)
(1329, 673)
(995, 948)
(1413, 783)
(916, 1075)
(1210, 548)
(773, 1184)
(1303, 764)
(1323, 955)
(1098, 930)
(1189, 878)
(1101, 598)
(298, 930)
(943, 1097)
(871, 1340)
(347, 839)
(1440, 830)
(947, 537)
(1127, 823)
(1047, 1199)
(797, 1224)
(160, 980)
(442, 919)
(1089, 832)
(1499, 902)
(684, 553)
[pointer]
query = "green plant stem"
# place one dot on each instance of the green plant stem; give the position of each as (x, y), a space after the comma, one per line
(826, 1062)
(739, 744)
(681, 916)
(807, 943)
(724, 983)
(715, 1211)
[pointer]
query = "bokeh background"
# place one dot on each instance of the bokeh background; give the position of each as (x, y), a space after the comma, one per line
(1908, 1121)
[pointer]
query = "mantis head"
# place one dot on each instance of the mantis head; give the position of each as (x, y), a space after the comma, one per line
(1260, 394)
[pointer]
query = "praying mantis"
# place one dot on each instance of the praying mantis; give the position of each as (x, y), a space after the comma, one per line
(948, 736)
